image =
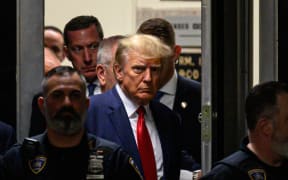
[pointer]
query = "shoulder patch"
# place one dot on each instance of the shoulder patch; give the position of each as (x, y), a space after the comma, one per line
(257, 174)
(37, 164)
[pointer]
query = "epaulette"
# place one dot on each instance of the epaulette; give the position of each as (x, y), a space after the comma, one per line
(30, 148)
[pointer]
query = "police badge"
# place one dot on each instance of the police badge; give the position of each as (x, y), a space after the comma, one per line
(37, 164)
(95, 166)
(257, 174)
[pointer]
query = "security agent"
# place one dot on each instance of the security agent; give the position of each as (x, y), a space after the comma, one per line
(263, 154)
(180, 94)
(65, 150)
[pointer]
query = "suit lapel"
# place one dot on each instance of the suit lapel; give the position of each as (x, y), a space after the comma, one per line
(164, 139)
(180, 103)
(120, 121)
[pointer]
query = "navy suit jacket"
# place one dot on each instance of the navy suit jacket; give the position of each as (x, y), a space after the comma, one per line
(7, 137)
(188, 105)
(108, 119)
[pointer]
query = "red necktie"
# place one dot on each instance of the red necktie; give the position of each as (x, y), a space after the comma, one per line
(145, 147)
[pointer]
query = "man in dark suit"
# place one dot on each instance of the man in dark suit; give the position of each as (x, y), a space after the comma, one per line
(114, 115)
(7, 137)
(82, 35)
(180, 94)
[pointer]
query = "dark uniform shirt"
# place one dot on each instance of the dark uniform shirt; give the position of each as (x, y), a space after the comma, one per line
(93, 158)
(244, 165)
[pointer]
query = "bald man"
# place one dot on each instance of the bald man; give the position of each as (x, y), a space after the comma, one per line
(50, 60)
(53, 39)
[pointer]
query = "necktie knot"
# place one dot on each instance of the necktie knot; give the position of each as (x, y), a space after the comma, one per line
(91, 88)
(140, 110)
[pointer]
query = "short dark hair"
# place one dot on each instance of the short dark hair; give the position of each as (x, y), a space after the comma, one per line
(160, 28)
(60, 71)
(82, 22)
(262, 101)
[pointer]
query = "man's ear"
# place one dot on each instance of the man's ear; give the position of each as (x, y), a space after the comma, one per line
(40, 102)
(100, 70)
(118, 71)
(265, 126)
(177, 52)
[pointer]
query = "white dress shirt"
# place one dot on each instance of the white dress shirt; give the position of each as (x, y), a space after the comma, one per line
(97, 89)
(131, 108)
(169, 90)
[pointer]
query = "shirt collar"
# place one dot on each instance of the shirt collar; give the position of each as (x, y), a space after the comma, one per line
(96, 82)
(129, 105)
(171, 85)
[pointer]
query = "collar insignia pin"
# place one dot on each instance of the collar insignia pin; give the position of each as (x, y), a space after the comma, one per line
(184, 104)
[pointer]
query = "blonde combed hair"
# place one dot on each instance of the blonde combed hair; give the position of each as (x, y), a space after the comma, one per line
(144, 46)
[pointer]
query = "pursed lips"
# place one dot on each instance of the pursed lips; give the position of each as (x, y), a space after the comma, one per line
(88, 69)
(145, 90)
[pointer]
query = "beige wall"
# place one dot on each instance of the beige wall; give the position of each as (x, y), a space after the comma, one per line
(116, 16)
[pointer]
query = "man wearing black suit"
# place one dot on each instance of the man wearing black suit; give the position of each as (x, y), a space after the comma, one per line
(114, 115)
(7, 137)
(82, 35)
(180, 94)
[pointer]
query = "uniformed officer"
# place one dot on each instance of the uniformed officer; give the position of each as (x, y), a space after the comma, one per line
(65, 150)
(263, 154)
